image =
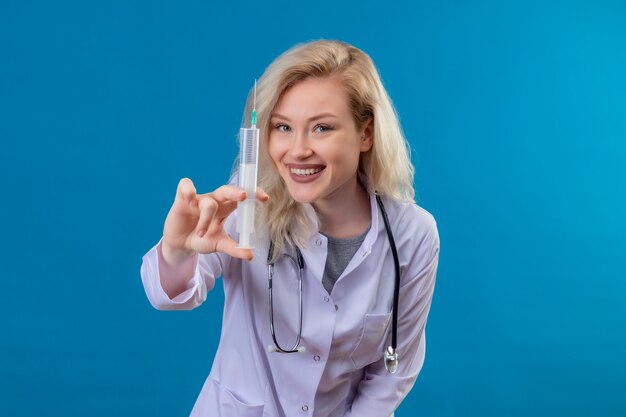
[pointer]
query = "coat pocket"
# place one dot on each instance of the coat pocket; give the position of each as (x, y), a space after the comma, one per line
(216, 400)
(371, 342)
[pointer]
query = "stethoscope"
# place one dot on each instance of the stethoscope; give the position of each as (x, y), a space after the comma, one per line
(390, 354)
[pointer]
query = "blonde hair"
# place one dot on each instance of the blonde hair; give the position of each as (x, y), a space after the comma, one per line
(386, 167)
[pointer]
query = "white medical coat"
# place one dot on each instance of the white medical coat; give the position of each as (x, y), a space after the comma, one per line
(342, 372)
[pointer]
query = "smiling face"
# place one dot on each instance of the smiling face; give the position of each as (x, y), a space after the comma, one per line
(314, 142)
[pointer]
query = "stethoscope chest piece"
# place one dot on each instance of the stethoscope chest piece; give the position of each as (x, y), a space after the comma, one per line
(391, 360)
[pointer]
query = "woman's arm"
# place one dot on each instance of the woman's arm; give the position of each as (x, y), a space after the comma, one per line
(176, 267)
(182, 286)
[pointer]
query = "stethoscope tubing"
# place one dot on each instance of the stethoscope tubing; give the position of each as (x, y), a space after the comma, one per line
(300, 262)
(390, 356)
(396, 264)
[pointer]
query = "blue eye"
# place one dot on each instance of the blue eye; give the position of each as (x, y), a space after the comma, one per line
(281, 127)
(321, 128)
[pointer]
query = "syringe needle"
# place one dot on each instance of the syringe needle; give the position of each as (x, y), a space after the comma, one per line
(253, 122)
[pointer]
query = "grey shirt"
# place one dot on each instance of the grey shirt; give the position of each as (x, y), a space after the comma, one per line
(340, 252)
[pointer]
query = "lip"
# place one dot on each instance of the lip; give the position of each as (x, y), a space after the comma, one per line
(303, 179)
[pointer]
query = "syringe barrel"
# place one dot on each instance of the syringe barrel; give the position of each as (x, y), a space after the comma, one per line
(248, 163)
(245, 223)
(248, 159)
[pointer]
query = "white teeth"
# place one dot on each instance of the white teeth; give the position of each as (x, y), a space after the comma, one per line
(309, 171)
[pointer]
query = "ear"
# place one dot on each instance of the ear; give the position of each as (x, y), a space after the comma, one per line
(367, 136)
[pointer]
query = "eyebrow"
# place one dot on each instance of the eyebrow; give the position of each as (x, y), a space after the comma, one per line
(319, 116)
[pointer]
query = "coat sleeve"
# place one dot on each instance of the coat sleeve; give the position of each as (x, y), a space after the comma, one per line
(379, 393)
(203, 269)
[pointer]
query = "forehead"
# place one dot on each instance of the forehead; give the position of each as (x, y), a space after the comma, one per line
(313, 96)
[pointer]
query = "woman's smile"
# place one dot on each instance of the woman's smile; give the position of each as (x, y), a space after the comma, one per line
(305, 173)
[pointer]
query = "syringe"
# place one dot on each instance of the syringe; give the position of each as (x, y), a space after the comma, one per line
(248, 159)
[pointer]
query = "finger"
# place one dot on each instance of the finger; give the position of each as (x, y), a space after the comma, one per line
(226, 207)
(208, 208)
(229, 247)
(262, 195)
(187, 191)
(228, 193)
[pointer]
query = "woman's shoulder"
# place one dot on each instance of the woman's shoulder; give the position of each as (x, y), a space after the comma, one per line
(414, 230)
(409, 217)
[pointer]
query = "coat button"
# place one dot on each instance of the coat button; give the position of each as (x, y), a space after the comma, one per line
(326, 298)
(318, 242)
(305, 408)
(336, 307)
(316, 358)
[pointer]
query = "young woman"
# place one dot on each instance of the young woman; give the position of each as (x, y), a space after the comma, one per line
(353, 258)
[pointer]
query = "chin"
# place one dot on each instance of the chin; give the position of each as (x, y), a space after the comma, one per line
(303, 198)
(301, 195)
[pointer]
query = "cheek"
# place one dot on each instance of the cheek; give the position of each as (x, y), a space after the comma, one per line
(345, 156)
(275, 151)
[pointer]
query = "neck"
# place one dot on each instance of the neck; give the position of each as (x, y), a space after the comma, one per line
(346, 215)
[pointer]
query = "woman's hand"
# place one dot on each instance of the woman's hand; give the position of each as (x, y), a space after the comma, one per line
(195, 223)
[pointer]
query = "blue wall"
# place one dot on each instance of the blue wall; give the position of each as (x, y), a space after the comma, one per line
(516, 113)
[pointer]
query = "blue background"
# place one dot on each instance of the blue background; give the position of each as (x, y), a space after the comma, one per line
(516, 114)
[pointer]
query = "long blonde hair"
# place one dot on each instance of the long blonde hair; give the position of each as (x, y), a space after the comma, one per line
(386, 166)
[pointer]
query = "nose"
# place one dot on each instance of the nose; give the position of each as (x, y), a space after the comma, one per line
(300, 148)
